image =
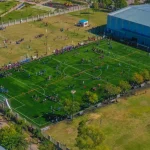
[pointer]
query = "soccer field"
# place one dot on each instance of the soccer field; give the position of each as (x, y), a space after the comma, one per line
(36, 92)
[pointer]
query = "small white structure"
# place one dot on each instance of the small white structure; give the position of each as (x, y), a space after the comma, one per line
(83, 23)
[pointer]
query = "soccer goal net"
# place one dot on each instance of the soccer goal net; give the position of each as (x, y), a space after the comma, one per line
(4, 102)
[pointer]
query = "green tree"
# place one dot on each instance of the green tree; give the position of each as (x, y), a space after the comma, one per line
(136, 2)
(112, 90)
(137, 78)
(70, 107)
(46, 145)
(146, 75)
(89, 138)
(120, 3)
(125, 86)
(8, 114)
(90, 97)
(96, 5)
(147, 1)
(11, 139)
(37, 133)
(106, 3)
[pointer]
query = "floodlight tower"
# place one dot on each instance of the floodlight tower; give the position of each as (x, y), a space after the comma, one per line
(72, 92)
(46, 41)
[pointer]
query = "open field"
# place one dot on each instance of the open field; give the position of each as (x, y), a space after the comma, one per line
(41, 7)
(56, 39)
(5, 6)
(68, 71)
(126, 125)
(73, 2)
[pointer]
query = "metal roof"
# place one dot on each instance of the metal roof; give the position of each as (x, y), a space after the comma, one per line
(83, 21)
(1, 148)
(139, 14)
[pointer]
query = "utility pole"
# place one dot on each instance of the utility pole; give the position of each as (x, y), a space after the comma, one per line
(73, 92)
(46, 41)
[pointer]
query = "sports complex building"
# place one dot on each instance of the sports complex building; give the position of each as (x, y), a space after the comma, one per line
(131, 23)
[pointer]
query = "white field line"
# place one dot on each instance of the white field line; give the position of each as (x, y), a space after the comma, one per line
(15, 99)
(120, 60)
(133, 49)
(15, 109)
(19, 107)
(27, 85)
(35, 84)
(77, 69)
(88, 73)
(26, 117)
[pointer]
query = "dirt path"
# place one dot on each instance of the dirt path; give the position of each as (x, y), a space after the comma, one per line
(12, 9)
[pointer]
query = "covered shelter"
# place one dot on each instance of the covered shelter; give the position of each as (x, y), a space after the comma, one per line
(83, 23)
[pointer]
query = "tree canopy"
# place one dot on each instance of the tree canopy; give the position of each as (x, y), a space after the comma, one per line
(137, 78)
(120, 3)
(11, 139)
(70, 106)
(112, 90)
(90, 97)
(146, 75)
(125, 86)
(46, 145)
(90, 138)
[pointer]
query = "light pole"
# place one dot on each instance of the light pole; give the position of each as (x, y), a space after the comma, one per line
(72, 92)
(46, 41)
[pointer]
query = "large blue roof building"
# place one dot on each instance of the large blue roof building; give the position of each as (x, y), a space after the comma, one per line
(132, 23)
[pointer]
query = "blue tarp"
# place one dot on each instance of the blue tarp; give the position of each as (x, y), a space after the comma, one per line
(25, 60)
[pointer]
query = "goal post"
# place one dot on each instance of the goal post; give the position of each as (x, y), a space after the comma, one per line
(4, 102)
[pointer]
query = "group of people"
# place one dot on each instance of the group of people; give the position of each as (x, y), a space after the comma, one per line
(3, 89)
(54, 97)
(10, 66)
(65, 49)
(19, 41)
(5, 74)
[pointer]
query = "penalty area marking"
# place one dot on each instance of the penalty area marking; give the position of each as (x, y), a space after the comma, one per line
(17, 101)
(28, 86)
(26, 116)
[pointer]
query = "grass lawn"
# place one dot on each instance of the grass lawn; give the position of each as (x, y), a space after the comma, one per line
(28, 31)
(126, 125)
(41, 7)
(5, 6)
(72, 1)
(67, 72)
(27, 11)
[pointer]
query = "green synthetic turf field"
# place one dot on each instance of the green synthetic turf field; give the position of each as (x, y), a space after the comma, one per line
(67, 73)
